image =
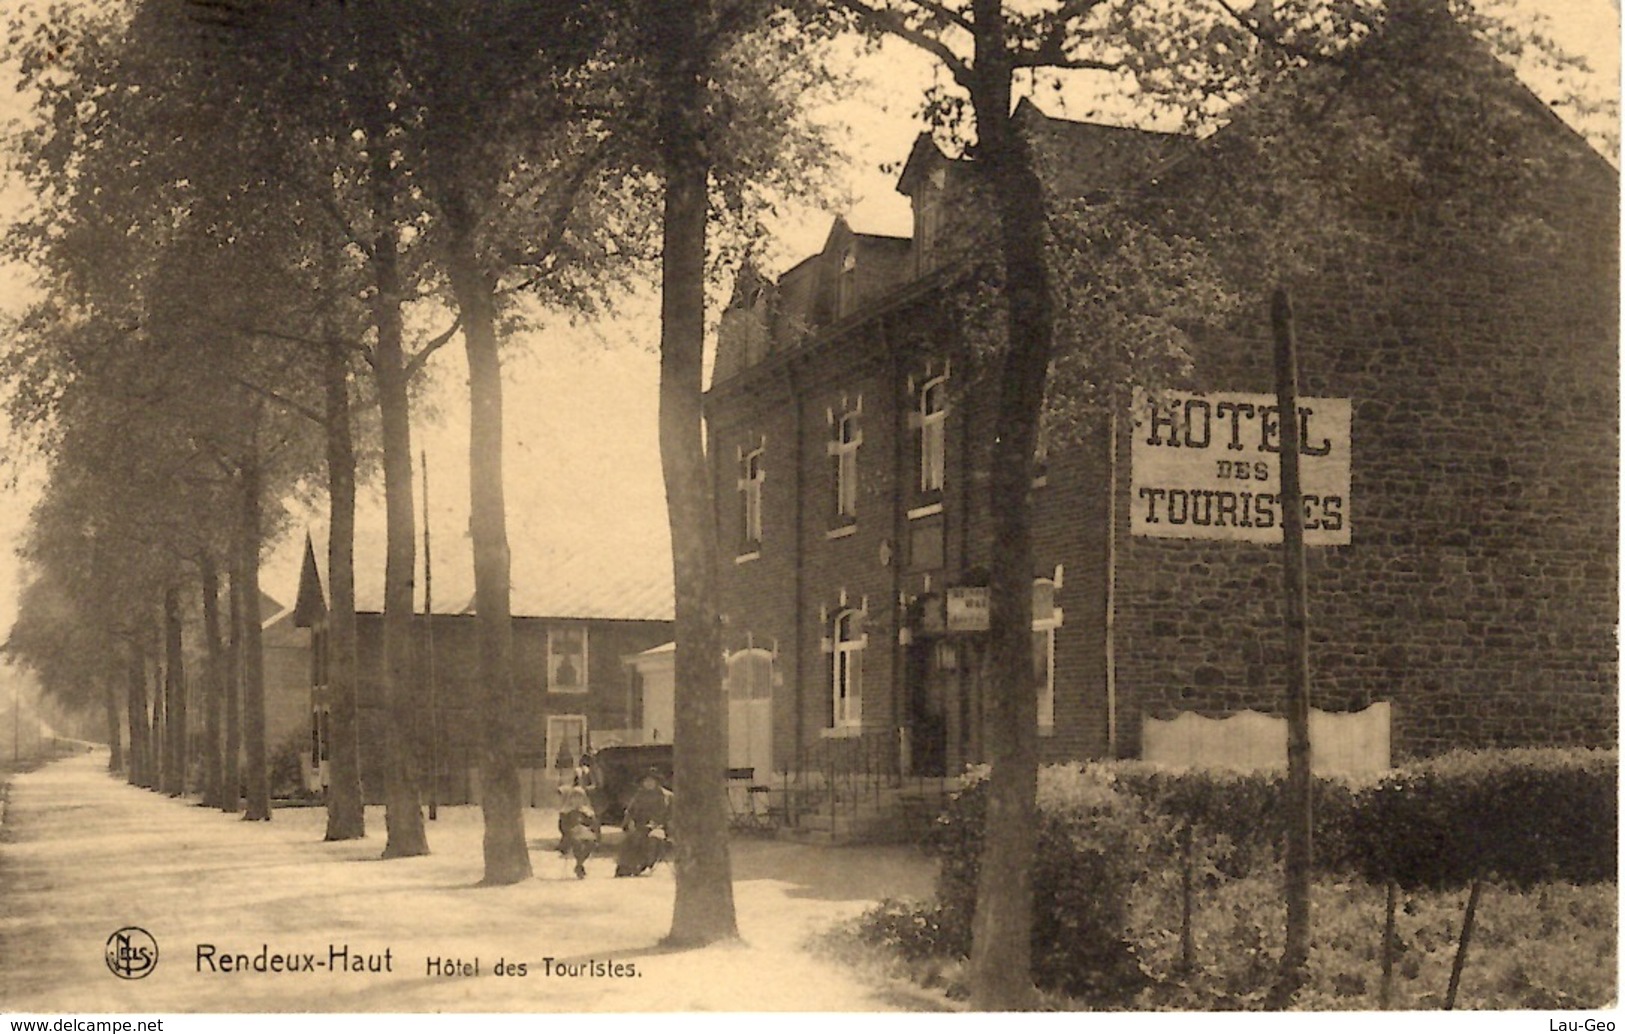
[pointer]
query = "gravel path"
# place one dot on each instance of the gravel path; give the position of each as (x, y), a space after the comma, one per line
(84, 855)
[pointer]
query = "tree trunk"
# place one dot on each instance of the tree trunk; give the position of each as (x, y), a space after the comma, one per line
(1299, 861)
(507, 859)
(403, 814)
(175, 752)
(115, 755)
(258, 805)
(157, 739)
(346, 806)
(703, 911)
(231, 800)
(135, 707)
(214, 685)
(1001, 930)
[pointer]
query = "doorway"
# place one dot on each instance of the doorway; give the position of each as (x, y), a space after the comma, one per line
(927, 695)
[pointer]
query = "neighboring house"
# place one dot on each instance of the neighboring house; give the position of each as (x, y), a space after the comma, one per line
(572, 690)
(288, 670)
(1464, 416)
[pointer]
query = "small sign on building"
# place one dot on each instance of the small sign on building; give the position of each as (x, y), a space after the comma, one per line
(1208, 466)
(968, 609)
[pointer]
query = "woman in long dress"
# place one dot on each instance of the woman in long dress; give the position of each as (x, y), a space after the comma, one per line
(649, 809)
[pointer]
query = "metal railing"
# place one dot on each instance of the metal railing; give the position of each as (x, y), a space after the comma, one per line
(853, 787)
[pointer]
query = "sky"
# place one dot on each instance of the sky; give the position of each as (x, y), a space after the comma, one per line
(584, 482)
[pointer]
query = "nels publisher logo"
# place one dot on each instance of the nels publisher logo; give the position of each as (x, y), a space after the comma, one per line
(131, 953)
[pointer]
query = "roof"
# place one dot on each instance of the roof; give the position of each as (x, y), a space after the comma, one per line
(765, 317)
(1093, 157)
(602, 581)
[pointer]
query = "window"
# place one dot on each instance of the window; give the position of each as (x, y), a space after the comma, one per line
(1046, 619)
(750, 501)
(318, 658)
(846, 288)
(844, 448)
(848, 669)
(933, 416)
(567, 659)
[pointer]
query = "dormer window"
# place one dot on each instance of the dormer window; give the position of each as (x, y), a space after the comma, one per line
(846, 284)
(928, 220)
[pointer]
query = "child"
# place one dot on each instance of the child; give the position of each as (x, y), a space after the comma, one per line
(578, 826)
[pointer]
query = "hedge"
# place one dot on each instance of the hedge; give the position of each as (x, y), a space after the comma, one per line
(1516, 817)
(1242, 815)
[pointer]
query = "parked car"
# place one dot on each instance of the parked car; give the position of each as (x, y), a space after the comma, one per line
(620, 769)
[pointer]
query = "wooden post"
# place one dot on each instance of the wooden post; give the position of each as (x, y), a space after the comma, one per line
(1299, 786)
(1389, 942)
(1187, 943)
(1461, 949)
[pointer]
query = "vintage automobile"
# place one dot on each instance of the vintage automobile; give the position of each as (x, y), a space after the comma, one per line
(618, 770)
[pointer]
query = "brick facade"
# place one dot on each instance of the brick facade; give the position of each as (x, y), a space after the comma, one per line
(1477, 593)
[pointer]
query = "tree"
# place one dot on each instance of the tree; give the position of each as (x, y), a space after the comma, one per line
(510, 169)
(725, 84)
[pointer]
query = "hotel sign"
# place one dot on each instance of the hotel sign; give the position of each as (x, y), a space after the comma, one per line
(1208, 466)
(968, 609)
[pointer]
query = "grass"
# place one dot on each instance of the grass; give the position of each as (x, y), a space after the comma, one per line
(1551, 947)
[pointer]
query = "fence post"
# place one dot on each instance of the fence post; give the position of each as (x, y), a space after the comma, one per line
(1461, 949)
(1388, 945)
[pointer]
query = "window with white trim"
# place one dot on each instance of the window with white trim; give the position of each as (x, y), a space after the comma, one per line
(750, 501)
(1046, 619)
(933, 423)
(848, 641)
(848, 435)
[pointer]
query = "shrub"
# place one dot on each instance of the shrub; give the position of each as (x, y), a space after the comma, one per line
(1243, 813)
(1519, 817)
(1094, 842)
(286, 769)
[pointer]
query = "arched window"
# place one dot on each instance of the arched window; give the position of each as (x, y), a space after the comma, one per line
(933, 434)
(847, 688)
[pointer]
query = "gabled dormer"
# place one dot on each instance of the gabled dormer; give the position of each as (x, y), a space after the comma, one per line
(924, 181)
(744, 333)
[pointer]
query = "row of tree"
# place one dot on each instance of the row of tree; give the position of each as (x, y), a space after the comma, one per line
(257, 221)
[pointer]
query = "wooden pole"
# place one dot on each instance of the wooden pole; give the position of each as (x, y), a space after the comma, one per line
(1389, 943)
(1461, 949)
(428, 633)
(1187, 942)
(1298, 804)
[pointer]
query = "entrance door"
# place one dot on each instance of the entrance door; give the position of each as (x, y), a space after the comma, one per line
(566, 741)
(927, 711)
(750, 711)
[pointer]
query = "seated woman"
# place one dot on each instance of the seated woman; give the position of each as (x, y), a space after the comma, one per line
(578, 826)
(649, 808)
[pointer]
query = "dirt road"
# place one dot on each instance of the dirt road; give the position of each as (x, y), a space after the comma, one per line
(264, 917)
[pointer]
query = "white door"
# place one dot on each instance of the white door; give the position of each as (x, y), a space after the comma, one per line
(566, 741)
(750, 711)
